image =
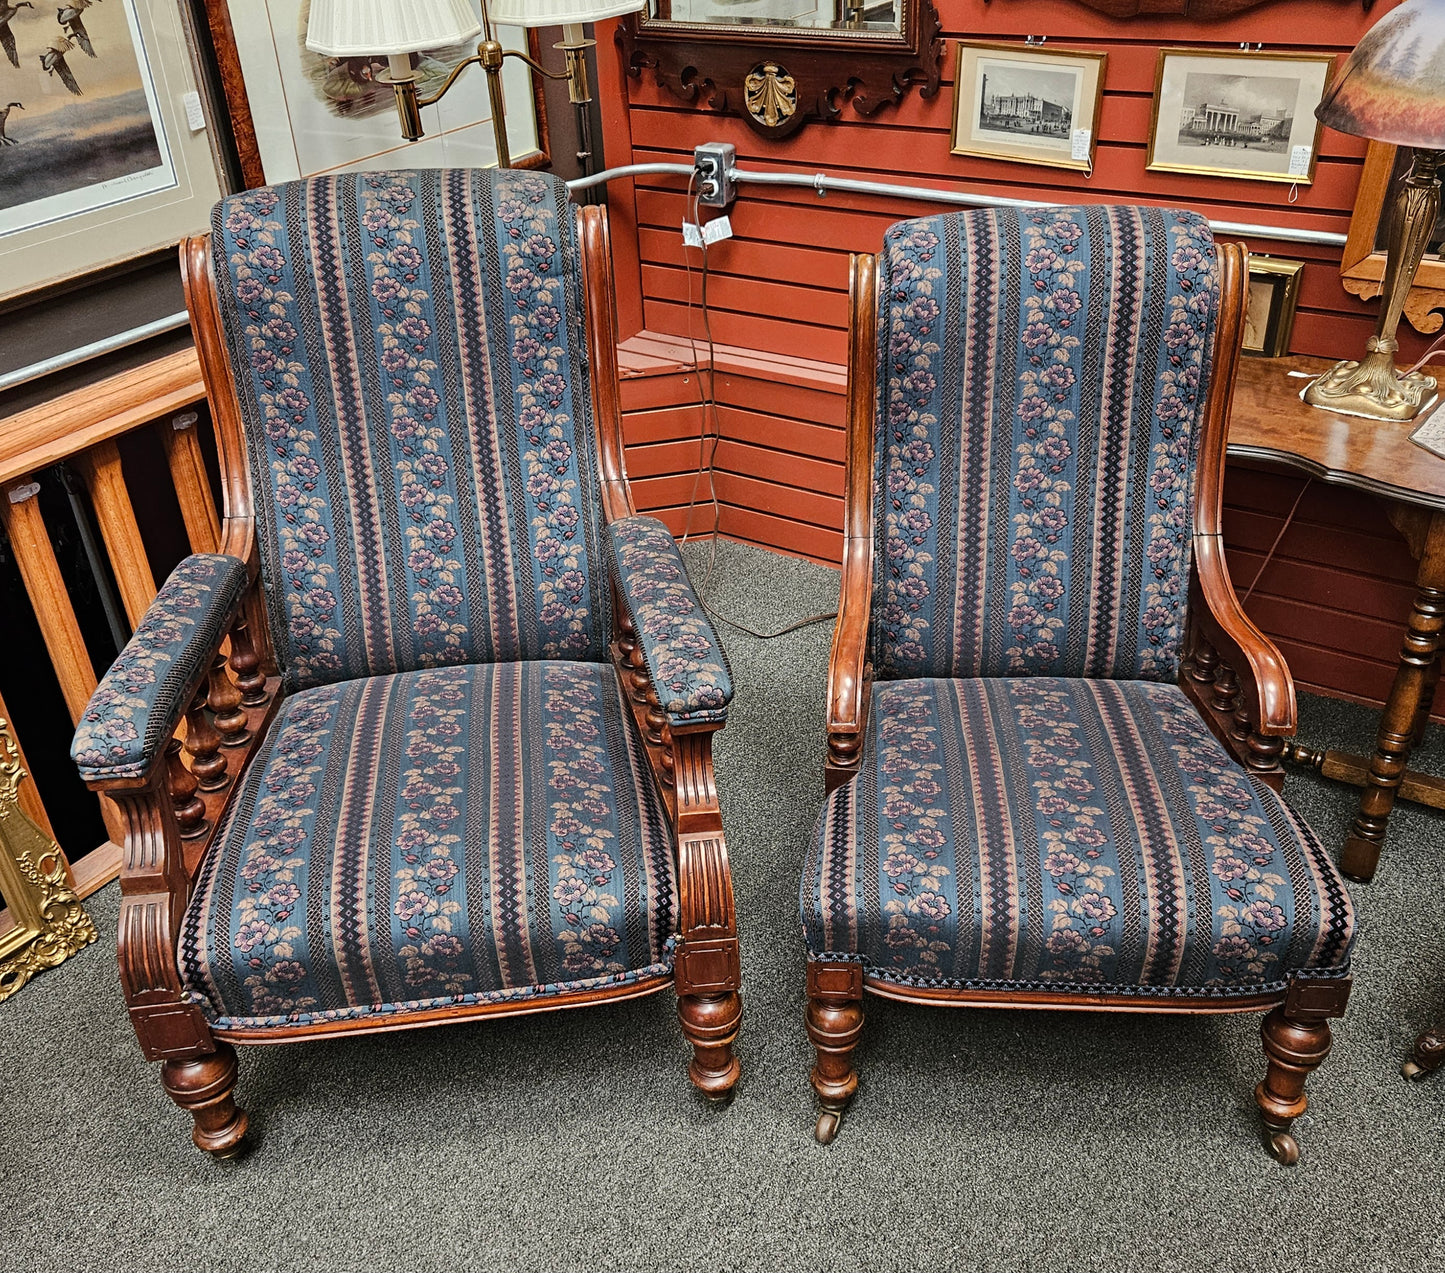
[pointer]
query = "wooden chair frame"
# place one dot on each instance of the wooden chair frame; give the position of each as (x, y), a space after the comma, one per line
(1232, 673)
(170, 813)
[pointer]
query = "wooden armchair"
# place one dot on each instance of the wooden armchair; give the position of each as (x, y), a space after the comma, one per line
(1036, 797)
(480, 778)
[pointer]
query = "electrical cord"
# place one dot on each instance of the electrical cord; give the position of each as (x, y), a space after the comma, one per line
(708, 414)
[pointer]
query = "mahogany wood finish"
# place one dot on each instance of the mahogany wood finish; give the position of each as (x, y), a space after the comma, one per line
(1428, 1054)
(1196, 10)
(820, 70)
(1232, 673)
(171, 812)
(1270, 424)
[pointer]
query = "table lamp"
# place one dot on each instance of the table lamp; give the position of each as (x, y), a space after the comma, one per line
(399, 28)
(1392, 89)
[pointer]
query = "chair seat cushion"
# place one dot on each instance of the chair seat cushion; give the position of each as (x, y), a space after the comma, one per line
(1069, 835)
(458, 835)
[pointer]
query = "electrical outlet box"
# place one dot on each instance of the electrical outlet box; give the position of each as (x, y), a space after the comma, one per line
(713, 165)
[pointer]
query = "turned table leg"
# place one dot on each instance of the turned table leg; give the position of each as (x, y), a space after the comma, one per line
(1400, 722)
(1428, 1054)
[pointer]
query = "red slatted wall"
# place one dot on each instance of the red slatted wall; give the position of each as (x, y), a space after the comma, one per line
(778, 297)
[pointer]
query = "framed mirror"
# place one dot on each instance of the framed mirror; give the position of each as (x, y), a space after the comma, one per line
(781, 63)
(1362, 265)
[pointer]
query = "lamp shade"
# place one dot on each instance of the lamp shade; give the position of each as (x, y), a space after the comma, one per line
(551, 13)
(358, 28)
(1392, 87)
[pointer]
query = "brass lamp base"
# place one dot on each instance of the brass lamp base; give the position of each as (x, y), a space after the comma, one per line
(1373, 387)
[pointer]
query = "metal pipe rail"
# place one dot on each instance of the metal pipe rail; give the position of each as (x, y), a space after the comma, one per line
(821, 183)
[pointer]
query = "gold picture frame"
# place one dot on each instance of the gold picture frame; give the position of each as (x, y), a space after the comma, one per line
(1028, 74)
(45, 922)
(1274, 286)
(1258, 127)
(1362, 264)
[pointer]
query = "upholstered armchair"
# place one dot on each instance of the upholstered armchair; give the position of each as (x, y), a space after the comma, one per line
(479, 779)
(1053, 734)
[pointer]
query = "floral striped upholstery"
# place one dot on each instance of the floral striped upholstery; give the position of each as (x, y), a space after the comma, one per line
(138, 703)
(1040, 379)
(680, 649)
(1065, 834)
(446, 836)
(411, 365)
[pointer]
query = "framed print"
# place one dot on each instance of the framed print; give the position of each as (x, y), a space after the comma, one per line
(1236, 114)
(1362, 265)
(296, 113)
(100, 163)
(1269, 311)
(1012, 101)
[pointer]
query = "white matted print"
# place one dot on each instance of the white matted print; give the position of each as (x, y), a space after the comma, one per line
(1236, 114)
(1022, 104)
(315, 114)
(97, 162)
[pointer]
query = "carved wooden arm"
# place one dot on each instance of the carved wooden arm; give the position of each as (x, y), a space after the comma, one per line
(849, 674)
(1249, 674)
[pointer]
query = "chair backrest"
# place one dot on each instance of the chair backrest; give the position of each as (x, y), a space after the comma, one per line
(410, 358)
(1042, 376)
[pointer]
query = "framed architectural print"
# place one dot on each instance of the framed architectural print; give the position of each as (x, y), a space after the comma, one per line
(106, 152)
(296, 113)
(1269, 312)
(1020, 103)
(1230, 113)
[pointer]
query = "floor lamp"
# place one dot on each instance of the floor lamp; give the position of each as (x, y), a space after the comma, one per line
(399, 28)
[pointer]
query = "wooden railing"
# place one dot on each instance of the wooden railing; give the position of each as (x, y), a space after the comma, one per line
(82, 429)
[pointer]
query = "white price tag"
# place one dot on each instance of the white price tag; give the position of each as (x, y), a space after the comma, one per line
(691, 235)
(1299, 161)
(1079, 140)
(195, 116)
(718, 229)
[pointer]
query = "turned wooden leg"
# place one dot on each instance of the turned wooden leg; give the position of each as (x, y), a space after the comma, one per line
(835, 1023)
(1296, 1038)
(203, 1086)
(710, 1023)
(1428, 1055)
(1399, 723)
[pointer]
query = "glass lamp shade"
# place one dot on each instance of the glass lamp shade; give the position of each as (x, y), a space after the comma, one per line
(1392, 88)
(358, 28)
(552, 13)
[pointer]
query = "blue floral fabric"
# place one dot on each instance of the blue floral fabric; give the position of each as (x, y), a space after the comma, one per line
(1041, 377)
(445, 836)
(137, 705)
(1070, 835)
(682, 652)
(410, 357)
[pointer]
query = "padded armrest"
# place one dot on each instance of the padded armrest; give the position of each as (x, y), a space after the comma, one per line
(680, 649)
(135, 708)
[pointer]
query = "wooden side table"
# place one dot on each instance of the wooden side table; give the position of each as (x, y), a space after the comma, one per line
(1269, 423)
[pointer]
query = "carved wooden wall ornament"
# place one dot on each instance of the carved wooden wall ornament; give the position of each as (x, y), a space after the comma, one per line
(779, 77)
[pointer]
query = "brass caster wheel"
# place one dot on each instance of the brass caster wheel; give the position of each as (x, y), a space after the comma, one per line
(829, 1120)
(1283, 1146)
(720, 1100)
(1412, 1069)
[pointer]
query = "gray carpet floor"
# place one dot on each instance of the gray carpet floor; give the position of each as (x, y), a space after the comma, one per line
(980, 1139)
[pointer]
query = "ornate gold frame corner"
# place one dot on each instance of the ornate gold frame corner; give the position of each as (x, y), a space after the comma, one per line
(48, 923)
